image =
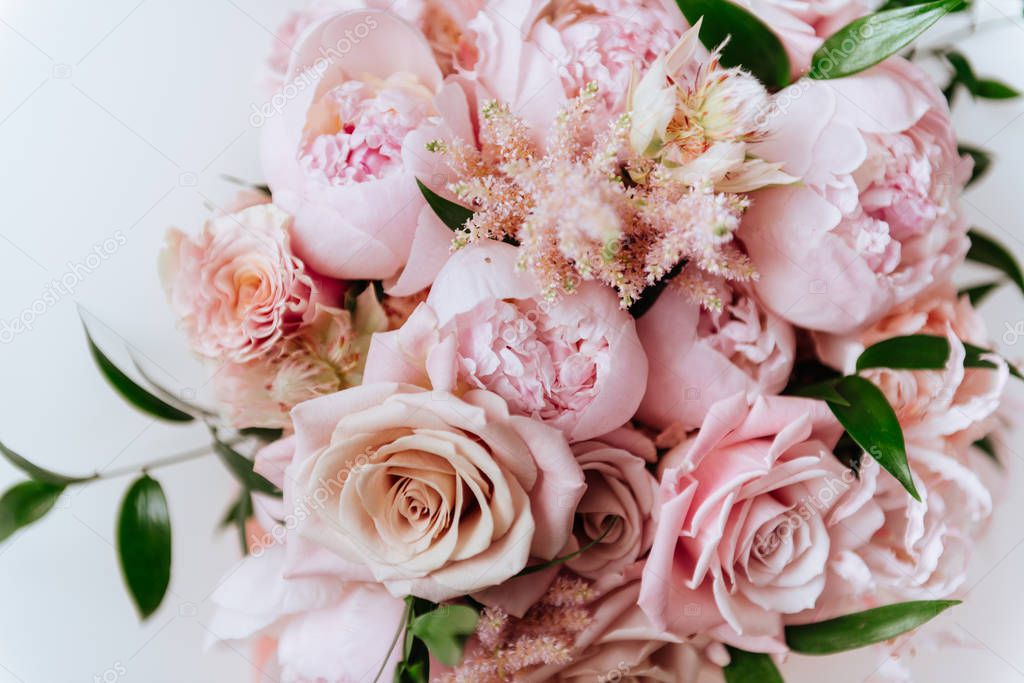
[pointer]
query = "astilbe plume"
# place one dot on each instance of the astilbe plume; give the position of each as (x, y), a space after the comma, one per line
(577, 211)
(504, 646)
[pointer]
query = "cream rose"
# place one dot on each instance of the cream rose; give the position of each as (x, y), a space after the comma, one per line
(436, 495)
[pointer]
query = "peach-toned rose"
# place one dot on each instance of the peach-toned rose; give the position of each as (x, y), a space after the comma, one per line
(877, 219)
(619, 488)
(237, 288)
(576, 364)
(929, 402)
(340, 153)
(435, 495)
(698, 357)
(755, 505)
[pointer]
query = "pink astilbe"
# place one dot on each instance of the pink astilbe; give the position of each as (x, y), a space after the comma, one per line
(577, 210)
(504, 646)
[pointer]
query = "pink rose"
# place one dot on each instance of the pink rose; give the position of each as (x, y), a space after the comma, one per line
(433, 495)
(619, 488)
(929, 402)
(237, 288)
(256, 599)
(339, 153)
(755, 505)
(575, 364)
(698, 357)
(877, 219)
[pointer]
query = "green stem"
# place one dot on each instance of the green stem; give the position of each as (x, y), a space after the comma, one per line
(402, 626)
(167, 461)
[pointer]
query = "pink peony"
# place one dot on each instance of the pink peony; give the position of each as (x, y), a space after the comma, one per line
(430, 494)
(877, 220)
(929, 402)
(753, 509)
(340, 154)
(237, 288)
(576, 364)
(699, 356)
(605, 42)
(257, 599)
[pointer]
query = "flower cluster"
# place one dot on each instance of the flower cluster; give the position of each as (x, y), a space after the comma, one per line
(534, 300)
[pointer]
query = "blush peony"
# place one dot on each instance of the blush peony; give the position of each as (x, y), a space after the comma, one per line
(877, 220)
(576, 364)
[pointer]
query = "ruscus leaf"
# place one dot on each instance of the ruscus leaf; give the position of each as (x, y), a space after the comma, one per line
(750, 667)
(25, 503)
(871, 39)
(863, 628)
(144, 544)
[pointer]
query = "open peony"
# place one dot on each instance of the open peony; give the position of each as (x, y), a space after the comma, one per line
(434, 495)
(575, 364)
(336, 154)
(236, 288)
(877, 220)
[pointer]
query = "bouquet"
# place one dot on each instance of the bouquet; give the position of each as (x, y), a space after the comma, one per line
(585, 340)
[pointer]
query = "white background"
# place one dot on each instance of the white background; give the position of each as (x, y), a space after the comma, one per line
(120, 116)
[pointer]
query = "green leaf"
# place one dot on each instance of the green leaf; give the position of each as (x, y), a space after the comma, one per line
(25, 503)
(265, 434)
(985, 445)
(872, 423)
(144, 544)
(242, 469)
(752, 45)
(982, 161)
(750, 667)
(650, 295)
(863, 628)
(609, 525)
(823, 391)
(237, 515)
(451, 214)
(166, 394)
(38, 473)
(923, 352)
(444, 631)
(994, 90)
(869, 40)
(912, 352)
(132, 392)
(978, 293)
(987, 251)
